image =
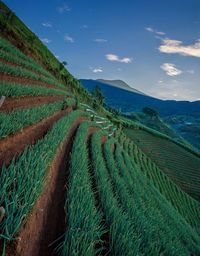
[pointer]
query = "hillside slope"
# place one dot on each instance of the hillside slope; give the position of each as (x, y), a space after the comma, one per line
(72, 183)
(179, 164)
(128, 101)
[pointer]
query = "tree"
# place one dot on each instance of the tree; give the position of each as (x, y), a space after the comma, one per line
(150, 111)
(98, 95)
(64, 63)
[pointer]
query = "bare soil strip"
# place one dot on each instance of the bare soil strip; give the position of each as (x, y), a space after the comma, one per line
(14, 103)
(13, 145)
(20, 66)
(47, 220)
(26, 81)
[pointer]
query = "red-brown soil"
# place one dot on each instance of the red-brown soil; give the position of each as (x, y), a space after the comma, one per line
(13, 103)
(104, 139)
(20, 66)
(46, 221)
(26, 81)
(13, 145)
(113, 148)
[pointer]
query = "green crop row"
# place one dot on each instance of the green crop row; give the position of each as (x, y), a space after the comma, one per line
(122, 239)
(6, 46)
(11, 57)
(128, 124)
(11, 53)
(147, 221)
(184, 204)
(22, 72)
(16, 89)
(167, 232)
(16, 120)
(22, 181)
(84, 228)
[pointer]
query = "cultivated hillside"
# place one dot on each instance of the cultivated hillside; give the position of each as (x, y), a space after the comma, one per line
(71, 181)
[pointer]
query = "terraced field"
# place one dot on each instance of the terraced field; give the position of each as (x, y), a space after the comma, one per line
(179, 164)
(72, 183)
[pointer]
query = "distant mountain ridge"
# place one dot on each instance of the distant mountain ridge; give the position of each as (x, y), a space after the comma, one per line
(131, 101)
(120, 84)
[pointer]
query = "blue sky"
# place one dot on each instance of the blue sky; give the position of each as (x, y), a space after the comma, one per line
(153, 45)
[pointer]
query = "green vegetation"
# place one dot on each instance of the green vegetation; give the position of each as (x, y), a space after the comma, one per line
(16, 89)
(23, 185)
(16, 120)
(22, 72)
(84, 221)
(14, 30)
(10, 53)
(98, 96)
(179, 164)
(184, 204)
(155, 229)
(122, 238)
(150, 111)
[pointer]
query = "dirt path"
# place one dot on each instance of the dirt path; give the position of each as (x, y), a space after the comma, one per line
(13, 103)
(26, 81)
(14, 144)
(46, 222)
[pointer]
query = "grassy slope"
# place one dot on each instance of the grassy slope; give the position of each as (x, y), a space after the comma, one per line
(178, 163)
(14, 30)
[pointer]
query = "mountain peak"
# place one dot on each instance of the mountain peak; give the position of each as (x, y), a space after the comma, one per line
(120, 84)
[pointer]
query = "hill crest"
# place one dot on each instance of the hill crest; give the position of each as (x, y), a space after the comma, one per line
(120, 84)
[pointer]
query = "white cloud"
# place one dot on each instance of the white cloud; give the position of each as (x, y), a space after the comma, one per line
(46, 40)
(191, 71)
(97, 70)
(114, 57)
(152, 30)
(176, 46)
(63, 8)
(100, 40)
(160, 33)
(68, 39)
(47, 24)
(170, 69)
(84, 26)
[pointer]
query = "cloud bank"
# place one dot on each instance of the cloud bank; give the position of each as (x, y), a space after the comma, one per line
(114, 57)
(177, 47)
(152, 30)
(170, 69)
(97, 70)
(68, 39)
